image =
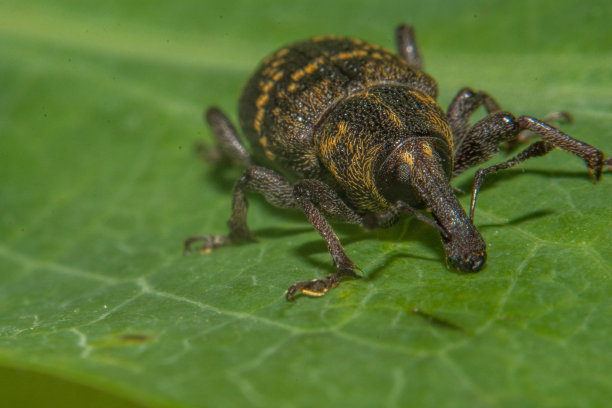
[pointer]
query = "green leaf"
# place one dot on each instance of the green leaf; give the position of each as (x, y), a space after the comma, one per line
(99, 111)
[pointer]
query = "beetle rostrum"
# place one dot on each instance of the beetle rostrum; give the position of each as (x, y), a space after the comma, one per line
(345, 130)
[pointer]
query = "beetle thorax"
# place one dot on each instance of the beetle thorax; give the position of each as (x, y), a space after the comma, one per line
(356, 138)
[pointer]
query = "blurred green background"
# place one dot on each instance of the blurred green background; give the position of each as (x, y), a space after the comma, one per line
(100, 109)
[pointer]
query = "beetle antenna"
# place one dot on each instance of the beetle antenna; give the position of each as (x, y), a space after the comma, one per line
(416, 214)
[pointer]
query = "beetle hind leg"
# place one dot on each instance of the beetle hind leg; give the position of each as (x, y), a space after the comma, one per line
(407, 47)
(228, 145)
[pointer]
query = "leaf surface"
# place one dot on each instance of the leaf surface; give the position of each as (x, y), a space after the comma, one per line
(99, 112)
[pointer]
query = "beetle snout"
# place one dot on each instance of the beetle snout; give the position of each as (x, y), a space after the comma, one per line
(465, 249)
(469, 263)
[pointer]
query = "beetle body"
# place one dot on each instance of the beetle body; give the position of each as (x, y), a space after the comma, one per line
(348, 112)
(343, 129)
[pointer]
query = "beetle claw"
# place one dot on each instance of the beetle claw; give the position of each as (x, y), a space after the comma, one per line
(595, 172)
(210, 242)
(315, 287)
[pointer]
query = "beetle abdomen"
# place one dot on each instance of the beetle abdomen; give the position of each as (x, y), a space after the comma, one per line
(293, 89)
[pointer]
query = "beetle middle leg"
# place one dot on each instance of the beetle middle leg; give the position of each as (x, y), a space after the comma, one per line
(277, 190)
(315, 198)
(461, 109)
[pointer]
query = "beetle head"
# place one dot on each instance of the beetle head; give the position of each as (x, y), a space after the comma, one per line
(414, 174)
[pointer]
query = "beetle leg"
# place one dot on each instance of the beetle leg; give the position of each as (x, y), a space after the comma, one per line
(461, 109)
(483, 139)
(593, 157)
(226, 136)
(276, 189)
(407, 47)
(539, 148)
(318, 201)
(525, 136)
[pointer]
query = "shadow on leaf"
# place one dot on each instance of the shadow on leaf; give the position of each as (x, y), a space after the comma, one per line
(354, 233)
(519, 220)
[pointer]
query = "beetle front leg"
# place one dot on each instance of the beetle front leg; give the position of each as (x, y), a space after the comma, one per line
(318, 201)
(525, 136)
(593, 157)
(483, 139)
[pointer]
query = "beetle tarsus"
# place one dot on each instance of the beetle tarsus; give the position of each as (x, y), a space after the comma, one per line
(318, 287)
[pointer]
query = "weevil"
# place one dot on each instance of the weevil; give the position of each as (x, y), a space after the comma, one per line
(345, 130)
